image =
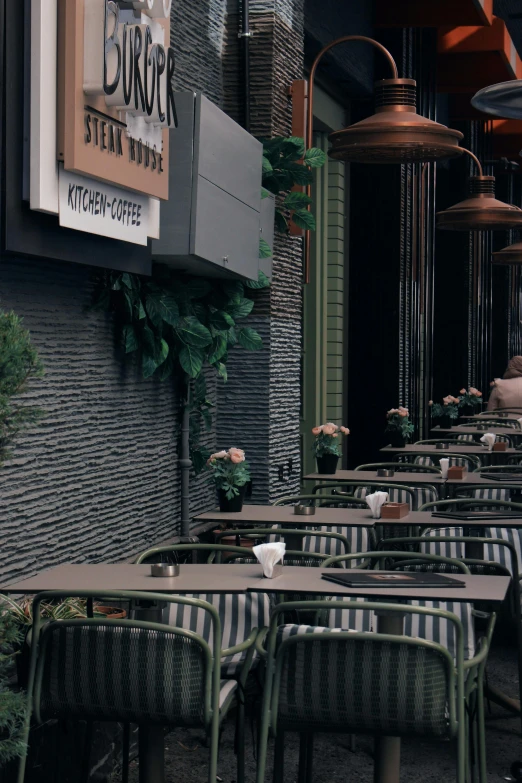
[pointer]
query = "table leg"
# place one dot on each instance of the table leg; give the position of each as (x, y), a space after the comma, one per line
(474, 550)
(151, 739)
(387, 761)
(152, 754)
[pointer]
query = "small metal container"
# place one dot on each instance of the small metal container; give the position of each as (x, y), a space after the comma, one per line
(385, 472)
(482, 427)
(443, 446)
(164, 569)
(501, 414)
(304, 511)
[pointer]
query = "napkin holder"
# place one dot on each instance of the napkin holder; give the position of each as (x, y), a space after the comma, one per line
(385, 472)
(443, 446)
(394, 510)
(277, 571)
(304, 511)
(457, 472)
(499, 446)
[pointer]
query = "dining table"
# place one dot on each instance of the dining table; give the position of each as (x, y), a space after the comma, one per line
(466, 429)
(460, 447)
(253, 516)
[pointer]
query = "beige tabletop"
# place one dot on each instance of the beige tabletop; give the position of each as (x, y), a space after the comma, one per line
(467, 430)
(284, 515)
(298, 579)
(460, 447)
(494, 415)
(204, 578)
(400, 477)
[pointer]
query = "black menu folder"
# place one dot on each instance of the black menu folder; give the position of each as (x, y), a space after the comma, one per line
(478, 516)
(516, 477)
(393, 579)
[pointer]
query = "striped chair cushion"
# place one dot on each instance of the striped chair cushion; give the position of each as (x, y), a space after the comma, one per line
(125, 674)
(461, 461)
(424, 627)
(357, 536)
(466, 438)
(239, 614)
(444, 548)
(498, 553)
(494, 553)
(362, 685)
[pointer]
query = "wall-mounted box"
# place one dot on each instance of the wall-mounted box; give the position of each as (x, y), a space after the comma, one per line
(211, 223)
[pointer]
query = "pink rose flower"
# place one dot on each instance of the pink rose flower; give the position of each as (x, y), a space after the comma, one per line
(430, 402)
(463, 391)
(335, 435)
(345, 430)
(236, 455)
(447, 400)
(403, 413)
(329, 429)
(317, 430)
(218, 455)
(478, 394)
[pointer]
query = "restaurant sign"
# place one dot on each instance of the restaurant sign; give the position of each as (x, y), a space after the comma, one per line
(115, 104)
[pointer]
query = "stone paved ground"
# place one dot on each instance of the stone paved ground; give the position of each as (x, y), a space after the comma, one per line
(422, 761)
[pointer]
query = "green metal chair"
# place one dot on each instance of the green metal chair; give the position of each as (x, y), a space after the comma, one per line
(429, 697)
(407, 467)
(129, 670)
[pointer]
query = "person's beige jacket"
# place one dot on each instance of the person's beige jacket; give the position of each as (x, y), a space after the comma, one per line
(507, 391)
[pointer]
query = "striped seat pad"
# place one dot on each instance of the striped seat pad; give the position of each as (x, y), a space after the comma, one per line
(431, 628)
(421, 495)
(239, 614)
(462, 461)
(495, 553)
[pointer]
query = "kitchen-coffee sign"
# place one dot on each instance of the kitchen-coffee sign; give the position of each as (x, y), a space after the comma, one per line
(116, 103)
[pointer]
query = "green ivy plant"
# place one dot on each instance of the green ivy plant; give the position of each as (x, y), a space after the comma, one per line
(286, 164)
(176, 325)
(19, 363)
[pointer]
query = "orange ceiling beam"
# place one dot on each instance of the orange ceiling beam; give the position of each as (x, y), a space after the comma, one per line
(474, 57)
(432, 13)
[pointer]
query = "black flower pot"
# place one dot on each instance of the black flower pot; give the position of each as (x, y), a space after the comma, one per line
(397, 440)
(235, 503)
(327, 464)
(445, 422)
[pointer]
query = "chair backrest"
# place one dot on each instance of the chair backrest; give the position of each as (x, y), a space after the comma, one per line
(324, 540)
(214, 551)
(415, 496)
(125, 670)
(408, 467)
(471, 461)
(333, 680)
(239, 615)
(470, 503)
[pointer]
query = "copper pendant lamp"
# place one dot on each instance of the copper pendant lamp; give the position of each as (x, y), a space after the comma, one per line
(481, 211)
(395, 133)
(508, 256)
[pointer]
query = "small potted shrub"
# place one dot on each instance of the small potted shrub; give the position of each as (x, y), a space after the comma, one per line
(326, 446)
(469, 401)
(231, 475)
(399, 427)
(447, 412)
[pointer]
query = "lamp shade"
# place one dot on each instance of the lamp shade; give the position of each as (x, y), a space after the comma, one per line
(508, 256)
(395, 133)
(481, 211)
(501, 100)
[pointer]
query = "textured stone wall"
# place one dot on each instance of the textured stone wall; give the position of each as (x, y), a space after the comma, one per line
(98, 478)
(272, 377)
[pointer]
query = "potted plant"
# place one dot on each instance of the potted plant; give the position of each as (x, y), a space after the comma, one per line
(469, 400)
(399, 428)
(21, 614)
(231, 475)
(326, 446)
(447, 412)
